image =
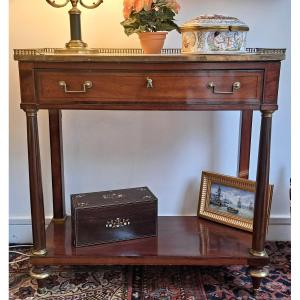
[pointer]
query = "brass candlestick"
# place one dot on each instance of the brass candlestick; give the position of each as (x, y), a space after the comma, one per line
(75, 45)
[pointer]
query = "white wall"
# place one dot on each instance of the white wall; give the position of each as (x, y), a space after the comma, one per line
(164, 150)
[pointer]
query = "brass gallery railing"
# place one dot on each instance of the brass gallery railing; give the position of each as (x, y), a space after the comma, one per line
(136, 51)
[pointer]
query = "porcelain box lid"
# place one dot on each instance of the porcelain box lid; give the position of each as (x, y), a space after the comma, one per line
(214, 22)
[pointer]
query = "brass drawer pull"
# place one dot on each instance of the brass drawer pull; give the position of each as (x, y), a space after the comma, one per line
(149, 83)
(86, 85)
(117, 223)
(235, 86)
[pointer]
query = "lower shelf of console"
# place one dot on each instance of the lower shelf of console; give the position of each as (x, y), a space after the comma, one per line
(180, 241)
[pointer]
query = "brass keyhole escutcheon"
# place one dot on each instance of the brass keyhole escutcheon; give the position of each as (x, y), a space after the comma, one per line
(149, 83)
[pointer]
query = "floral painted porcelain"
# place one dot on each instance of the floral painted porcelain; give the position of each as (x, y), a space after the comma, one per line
(214, 34)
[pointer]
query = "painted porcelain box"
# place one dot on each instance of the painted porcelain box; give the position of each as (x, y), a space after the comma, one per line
(214, 34)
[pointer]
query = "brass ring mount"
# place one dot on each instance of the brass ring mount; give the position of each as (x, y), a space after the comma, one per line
(258, 253)
(41, 252)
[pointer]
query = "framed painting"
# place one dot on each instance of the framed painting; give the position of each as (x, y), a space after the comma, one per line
(229, 200)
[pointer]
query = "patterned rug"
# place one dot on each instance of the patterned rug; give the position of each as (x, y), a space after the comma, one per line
(155, 283)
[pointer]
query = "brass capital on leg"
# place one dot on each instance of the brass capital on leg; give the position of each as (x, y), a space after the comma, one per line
(31, 112)
(267, 113)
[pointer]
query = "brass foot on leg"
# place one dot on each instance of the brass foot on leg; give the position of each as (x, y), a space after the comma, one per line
(42, 291)
(259, 273)
(255, 292)
(40, 274)
(257, 276)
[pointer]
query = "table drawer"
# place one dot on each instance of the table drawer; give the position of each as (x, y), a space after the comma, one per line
(160, 86)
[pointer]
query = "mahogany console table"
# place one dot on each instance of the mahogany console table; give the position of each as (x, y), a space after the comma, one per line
(125, 79)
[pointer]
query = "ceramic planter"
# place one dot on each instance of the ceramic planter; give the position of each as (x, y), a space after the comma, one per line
(214, 34)
(152, 42)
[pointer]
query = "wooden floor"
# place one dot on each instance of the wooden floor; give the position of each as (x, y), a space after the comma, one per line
(180, 241)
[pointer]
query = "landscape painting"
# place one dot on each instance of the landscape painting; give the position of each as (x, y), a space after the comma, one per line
(231, 200)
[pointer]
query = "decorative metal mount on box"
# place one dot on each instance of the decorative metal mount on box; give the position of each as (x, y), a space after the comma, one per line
(116, 223)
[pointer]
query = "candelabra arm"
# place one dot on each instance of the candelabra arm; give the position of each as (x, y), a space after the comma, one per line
(52, 3)
(94, 5)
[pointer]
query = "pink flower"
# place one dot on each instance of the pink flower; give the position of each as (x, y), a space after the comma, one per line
(138, 5)
(135, 5)
(173, 4)
(128, 7)
(147, 4)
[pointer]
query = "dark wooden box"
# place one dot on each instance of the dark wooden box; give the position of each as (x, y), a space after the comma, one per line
(112, 216)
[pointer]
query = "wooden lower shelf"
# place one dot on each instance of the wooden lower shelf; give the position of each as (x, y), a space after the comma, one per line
(180, 241)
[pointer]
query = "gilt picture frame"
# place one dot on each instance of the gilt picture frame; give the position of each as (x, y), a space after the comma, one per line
(229, 200)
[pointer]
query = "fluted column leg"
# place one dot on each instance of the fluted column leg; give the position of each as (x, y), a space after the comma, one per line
(261, 209)
(245, 143)
(35, 182)
(262, 186)
(57, 170)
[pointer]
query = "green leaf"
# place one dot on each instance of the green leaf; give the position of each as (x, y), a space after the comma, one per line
(151, 21)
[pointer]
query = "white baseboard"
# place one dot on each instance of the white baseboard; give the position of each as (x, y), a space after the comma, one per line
(20, 229)
(279, 229)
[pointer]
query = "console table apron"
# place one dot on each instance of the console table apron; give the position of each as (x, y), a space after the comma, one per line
(128, 80)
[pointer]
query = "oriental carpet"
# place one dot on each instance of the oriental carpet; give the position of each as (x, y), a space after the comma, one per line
(155, 283)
